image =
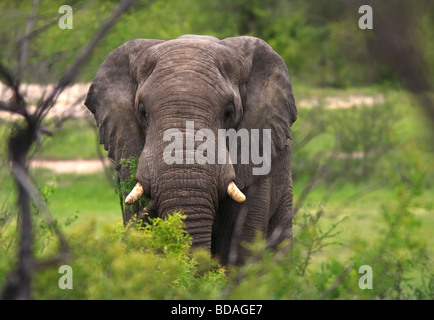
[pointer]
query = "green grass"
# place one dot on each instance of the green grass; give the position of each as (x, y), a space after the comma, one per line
(89, 196)
(75, 139)
(360, 209)
(86, 198)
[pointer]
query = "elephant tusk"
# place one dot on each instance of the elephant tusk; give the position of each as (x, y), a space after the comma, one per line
(235, 193)
(135, 194)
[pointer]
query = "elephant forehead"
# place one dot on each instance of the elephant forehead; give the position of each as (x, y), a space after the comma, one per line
(181, 53)
(194, 49)
(211, 55)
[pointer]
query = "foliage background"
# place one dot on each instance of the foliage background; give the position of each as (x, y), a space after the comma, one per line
(320, 41)
(363, 176)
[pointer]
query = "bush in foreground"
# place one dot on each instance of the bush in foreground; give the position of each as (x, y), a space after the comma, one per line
(156, 262)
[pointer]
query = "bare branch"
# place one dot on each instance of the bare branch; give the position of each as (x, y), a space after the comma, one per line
(17, 104)
(236, 237)
(337, 282)
(51, 23)
(24, 50)
(72, 72)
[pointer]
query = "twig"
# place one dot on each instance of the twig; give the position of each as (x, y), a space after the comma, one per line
(24, 50)
(236, 236)
(72, 72)
(337, 282)
(24, 179)
(239, 224)
(17, 104)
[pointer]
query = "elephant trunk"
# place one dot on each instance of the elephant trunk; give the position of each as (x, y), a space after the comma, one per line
(195, 193)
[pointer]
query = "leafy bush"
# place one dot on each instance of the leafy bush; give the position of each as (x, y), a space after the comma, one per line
(125, 187)
(151, 262)
(400, 262)
(155, 261)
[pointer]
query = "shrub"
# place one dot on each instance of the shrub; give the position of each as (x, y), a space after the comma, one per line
(150, 262)
(155, 261)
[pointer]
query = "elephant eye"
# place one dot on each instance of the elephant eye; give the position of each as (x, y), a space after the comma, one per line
(142, 110)
(229, 113)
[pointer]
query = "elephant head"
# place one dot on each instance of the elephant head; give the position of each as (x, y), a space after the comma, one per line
(149, 92)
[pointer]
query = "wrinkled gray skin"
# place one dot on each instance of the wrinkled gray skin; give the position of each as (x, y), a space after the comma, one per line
(145, 87)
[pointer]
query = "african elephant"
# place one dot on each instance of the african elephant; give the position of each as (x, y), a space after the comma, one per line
(147, 88)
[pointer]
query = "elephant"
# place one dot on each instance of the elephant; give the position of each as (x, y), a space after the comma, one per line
(147, 88)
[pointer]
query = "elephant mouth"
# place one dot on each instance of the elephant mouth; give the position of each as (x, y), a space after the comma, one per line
(233, 191)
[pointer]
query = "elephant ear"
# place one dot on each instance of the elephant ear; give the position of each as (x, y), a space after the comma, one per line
(111, 99)
(268, 100)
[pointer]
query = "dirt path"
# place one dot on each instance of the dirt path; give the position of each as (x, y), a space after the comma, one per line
(71, 166)
(70, 102)
(344, 102)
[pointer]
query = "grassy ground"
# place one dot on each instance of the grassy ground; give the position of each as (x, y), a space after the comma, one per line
(96, 193)
(76, 139)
